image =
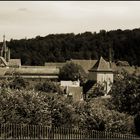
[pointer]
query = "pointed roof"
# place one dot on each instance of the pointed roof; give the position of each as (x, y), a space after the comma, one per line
(85, 64)
(4, 44)
(101, 65)
(2, 62)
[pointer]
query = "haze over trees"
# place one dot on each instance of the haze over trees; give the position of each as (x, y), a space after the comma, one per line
(88, 45)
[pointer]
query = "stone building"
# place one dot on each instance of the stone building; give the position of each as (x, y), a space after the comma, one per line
(102, 73)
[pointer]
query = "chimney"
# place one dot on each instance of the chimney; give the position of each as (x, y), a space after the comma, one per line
(4, 48)
(110, 56)
(8, 55)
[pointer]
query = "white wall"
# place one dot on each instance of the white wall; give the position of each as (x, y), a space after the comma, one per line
(106, 79)
(70, 83)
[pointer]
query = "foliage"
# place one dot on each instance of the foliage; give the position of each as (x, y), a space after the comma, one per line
(48, 86)
(137, 123)
(15, 82)
(33, 107)
(22, 106)
(73, 115)
(86, 119)
(87, 45)
(114, 121)
(98, 91)
(126, 94)
(62, 112)
(73, 72)
(18, 82)
(95, 115)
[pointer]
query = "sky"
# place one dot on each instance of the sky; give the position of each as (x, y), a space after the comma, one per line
(20, 19)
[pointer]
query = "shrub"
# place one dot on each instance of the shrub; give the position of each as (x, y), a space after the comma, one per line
(18, 83)
(94, 115)
(137, 123)
(73, 72)
(15, 82)
(85, 119)
(22, 106)
(48, 86)
(125, 94)
(114, 121)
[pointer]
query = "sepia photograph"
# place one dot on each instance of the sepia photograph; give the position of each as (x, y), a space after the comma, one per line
(69, 70)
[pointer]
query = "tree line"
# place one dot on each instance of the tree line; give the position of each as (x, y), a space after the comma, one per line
(87, 45)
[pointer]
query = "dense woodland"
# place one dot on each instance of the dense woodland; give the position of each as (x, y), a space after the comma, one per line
(88, 45)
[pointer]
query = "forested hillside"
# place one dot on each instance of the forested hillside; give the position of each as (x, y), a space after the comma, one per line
(61, 47)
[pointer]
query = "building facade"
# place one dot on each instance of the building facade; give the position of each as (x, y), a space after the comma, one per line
(102, 73)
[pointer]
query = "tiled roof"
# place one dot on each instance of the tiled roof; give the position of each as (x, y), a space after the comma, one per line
(101, 65)
(59, 65)
(3, 71)
(3, 61)
(85, 64)
(33, 71)
(76, 93)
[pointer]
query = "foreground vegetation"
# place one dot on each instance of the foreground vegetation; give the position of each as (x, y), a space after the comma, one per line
(46, 104)
(32, 107)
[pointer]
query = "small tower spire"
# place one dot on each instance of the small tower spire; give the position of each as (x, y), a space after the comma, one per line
(4, 48)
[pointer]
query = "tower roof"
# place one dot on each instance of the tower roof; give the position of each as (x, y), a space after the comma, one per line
(3, 61)
(4, 44)
(101, 65)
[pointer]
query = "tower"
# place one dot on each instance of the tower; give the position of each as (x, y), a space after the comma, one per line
(4, 48)
(102, 73)
(5, 51)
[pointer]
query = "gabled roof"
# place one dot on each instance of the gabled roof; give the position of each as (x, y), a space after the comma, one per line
(32, 71)
(3, 62)
(76, 93)
(3, 71)
(85, 64)
(101, 65)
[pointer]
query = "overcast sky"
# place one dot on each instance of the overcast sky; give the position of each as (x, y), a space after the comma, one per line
(20, 19)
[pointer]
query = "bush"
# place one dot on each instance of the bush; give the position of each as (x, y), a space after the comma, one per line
(137, 123)
(18, 83)
(15, 82)
(73, 72)
(94, 115)
(125, 94)
(33, 107)
(48, 86)
(22, 106)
